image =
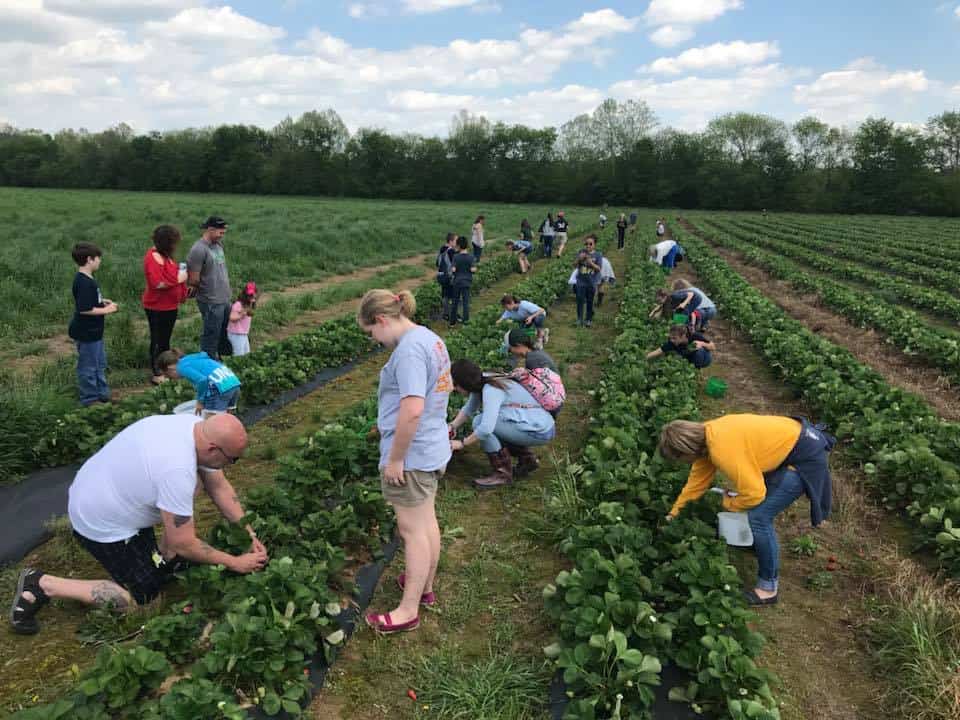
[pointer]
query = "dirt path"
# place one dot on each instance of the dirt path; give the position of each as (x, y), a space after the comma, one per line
(868, 346)
(60, 345)
(813, 643)
(492, 570)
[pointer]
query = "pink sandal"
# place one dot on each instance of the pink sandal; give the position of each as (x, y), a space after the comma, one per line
(382, 624)
(427, 599)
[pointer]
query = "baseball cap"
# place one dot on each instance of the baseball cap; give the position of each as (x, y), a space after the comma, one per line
(217, 223)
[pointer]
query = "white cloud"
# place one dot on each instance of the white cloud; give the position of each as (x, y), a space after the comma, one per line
(29, 21)
(201, 24)
(47, 86)
(432, 6)
(852, 93)
(699, 98)
(106, 47)
(688, 12)
(719, 56)
(118, 10)
(361, 10)
(419, 101)
(671, 35)
(957, 11)
(592, 26)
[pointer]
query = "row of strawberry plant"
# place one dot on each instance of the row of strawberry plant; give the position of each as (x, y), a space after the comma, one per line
(642, 593)
(271, 369)
(902, 327)
(866, 253)
(903, 244)
(267, 626)
(909, 454)
(938, 301)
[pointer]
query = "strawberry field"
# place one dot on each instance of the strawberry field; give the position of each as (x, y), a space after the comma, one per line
(565, 595)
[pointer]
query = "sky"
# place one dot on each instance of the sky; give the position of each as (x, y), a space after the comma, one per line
(410, 65)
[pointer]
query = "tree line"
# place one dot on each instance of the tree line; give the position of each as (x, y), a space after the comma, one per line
(618, 155)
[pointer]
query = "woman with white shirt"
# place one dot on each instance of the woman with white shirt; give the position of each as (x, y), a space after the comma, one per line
(477, 239)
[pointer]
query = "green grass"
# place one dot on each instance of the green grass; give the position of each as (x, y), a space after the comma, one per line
(275, 241)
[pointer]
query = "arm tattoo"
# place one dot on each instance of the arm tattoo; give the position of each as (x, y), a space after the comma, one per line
(181, 520)
(109, 594)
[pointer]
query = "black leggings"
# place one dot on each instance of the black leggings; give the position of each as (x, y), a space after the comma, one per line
(620, 234)
(161, 328)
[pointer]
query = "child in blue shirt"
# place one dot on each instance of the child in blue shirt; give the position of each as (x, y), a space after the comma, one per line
(218, 389)
(527, 314)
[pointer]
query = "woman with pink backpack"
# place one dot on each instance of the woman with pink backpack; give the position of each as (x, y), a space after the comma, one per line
(507, 419)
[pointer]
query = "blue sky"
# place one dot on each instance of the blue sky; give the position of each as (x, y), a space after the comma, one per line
(410, 65)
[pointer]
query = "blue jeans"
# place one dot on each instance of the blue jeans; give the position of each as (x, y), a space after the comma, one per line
(477, 252)
(508, 433)
(547, 245)
(461, 294)
(706, 315)
(784, 486)
(92, 371)
(215, 318)
(671, 258)
(215, 402)
(585, 294)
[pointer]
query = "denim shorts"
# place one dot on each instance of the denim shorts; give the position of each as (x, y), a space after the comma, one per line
(216, 402)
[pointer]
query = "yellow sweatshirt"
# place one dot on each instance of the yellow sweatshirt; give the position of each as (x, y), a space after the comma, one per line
(742, 447)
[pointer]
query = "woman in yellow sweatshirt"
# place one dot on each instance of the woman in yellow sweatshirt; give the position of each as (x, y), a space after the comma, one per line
(769, 461)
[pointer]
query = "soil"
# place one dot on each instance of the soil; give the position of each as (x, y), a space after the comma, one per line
(868, 346)
(813, 643)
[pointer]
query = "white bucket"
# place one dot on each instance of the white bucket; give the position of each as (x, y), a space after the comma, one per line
(185, 408)
(735, 528)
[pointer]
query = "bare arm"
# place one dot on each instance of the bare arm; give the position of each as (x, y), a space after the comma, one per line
(180, 538)
(107, 309)
(654, 354)
(236, 315)
(193, 278)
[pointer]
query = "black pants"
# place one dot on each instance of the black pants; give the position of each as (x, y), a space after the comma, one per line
(461, 297)
(161, 328)
(620, 233)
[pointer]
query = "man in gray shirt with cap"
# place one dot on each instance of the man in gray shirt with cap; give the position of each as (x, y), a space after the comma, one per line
(209, 282)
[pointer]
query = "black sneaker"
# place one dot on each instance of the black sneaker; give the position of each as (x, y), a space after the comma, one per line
(22, 611)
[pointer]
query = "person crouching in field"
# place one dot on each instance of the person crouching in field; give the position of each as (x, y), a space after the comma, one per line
(145, 475)
(86, 327)
(771, 461)
(528, 314)
(521, 248)
(521, 345)
(415, 387)
(664, 253)
(241, 315)
(691, 346)
(218, 389)
(507, 422)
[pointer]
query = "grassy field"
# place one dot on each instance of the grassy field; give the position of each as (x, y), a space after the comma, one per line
(277, 242)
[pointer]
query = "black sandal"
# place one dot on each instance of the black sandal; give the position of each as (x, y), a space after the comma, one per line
(22, 611)
(753, 599)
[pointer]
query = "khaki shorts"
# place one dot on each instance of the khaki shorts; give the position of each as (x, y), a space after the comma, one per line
(561, 238)
(419, 486)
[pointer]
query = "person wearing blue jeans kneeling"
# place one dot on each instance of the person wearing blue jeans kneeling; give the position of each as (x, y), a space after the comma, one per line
(771, 461)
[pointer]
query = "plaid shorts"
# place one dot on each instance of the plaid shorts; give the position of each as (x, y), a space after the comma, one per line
(134, 563)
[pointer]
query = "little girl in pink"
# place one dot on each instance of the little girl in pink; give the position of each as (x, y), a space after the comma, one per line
(241, 313)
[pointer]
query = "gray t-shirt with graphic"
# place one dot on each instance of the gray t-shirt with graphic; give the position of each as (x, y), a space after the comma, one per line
(209, 260)
(418, 367)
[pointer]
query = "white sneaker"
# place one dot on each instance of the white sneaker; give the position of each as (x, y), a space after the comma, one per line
(546, 335)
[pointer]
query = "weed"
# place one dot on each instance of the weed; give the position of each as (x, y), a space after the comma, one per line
(822, 580)
(804, 545)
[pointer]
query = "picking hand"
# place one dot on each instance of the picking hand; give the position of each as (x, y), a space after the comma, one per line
(249, 562)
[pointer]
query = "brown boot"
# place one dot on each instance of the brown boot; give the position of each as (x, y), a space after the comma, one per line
(502, 465)
(527, 462)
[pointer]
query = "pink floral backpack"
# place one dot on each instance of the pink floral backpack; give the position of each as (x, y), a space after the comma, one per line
(544, 385)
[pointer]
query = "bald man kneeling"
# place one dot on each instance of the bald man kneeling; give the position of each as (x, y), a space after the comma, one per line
(145, 475)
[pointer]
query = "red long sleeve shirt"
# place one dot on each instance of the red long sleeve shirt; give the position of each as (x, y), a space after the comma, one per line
(167, 298)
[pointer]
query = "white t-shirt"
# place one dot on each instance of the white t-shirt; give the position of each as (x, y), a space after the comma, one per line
(478, 234)
(148, 467)
(663, 248)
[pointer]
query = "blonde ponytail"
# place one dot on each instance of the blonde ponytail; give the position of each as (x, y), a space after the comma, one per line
(386, 303)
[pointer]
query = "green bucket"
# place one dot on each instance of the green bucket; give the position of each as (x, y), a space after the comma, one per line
(716, 388)
(680, 319)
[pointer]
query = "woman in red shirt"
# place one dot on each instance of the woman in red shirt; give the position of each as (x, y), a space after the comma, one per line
(166, 289)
